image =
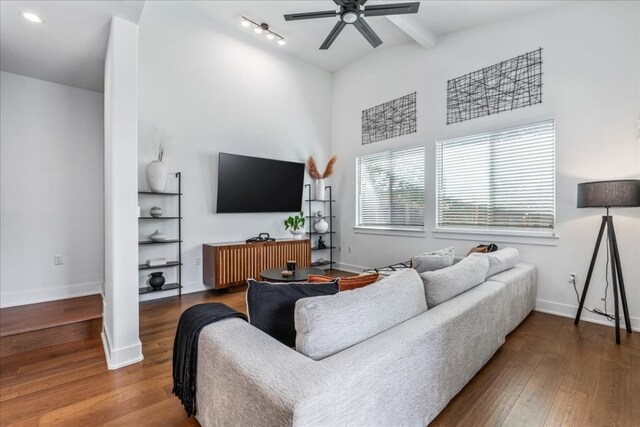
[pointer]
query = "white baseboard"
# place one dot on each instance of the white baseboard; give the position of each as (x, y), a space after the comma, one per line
(567, 310)
(350, 268)
(121, 357)
(33, 296)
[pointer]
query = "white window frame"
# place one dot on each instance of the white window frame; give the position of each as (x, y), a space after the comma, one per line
(399, 230)
(536, 236)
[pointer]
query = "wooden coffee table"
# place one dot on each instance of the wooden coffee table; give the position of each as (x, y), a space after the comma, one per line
(300, 275)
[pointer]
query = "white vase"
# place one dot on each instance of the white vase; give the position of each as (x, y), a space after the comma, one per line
(297, 234)
(319, 183)
(157, 236)
(321, 225)
(156, 175)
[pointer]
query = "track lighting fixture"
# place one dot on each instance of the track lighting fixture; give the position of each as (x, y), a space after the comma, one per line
(263, 28)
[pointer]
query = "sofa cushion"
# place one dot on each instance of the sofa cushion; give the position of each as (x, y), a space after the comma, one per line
(270, 305)
(347, 283)
(327, 325)
(430, 261)
(502, 260)
(442, 285)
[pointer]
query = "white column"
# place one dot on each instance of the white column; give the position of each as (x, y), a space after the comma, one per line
(120, 308)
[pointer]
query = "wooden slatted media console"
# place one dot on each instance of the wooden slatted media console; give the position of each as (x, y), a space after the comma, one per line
(226, 265)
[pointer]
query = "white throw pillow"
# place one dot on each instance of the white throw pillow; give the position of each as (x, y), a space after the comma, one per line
(329, 324)
(502, 260)
(442, 285)
(430, 261)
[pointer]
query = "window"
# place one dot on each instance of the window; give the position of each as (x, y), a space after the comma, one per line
(502, 179)
(390, 189)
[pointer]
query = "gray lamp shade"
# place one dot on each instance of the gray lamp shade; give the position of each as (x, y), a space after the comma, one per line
(609, 194)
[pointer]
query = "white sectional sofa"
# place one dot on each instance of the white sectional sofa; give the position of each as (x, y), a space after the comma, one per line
(402, 374)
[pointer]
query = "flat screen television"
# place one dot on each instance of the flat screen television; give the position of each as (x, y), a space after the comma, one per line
(252, 184)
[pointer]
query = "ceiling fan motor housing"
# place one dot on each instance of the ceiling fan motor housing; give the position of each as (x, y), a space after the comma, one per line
(349, 13)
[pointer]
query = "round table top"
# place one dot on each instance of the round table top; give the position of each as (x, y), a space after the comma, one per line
(300, 275)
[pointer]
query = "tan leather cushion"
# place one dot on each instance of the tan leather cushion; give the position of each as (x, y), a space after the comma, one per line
(347, 283)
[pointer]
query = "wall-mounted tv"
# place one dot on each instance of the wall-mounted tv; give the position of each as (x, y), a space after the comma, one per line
(252, 184)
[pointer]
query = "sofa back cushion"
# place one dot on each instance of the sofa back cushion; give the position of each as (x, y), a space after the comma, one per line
(430, 261)
(328, 324)
(502, 260)
(270, 305)
(442, 285)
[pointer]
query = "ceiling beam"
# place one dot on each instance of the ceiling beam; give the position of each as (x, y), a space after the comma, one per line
(415, 30)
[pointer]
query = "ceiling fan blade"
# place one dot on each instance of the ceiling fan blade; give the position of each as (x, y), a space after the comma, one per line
(340, 2)
(391, 9)
(332, 35)
(367, 32)
(310, 15)
(361, 2)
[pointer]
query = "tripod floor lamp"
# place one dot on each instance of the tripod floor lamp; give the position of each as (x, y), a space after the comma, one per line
(609, 194)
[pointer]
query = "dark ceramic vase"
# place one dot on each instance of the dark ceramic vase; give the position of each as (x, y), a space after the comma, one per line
(156, 280)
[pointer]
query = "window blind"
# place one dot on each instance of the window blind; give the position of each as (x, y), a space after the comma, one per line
(503, 179)
(390, 188)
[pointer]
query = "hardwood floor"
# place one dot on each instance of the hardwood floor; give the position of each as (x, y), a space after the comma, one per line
(547, 373)
(33, 317)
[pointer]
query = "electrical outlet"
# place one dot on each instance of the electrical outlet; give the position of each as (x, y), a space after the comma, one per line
(198, 261)
(572, 278)
(58, 260)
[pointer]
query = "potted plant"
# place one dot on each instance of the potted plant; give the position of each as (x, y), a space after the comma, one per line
(295, 225)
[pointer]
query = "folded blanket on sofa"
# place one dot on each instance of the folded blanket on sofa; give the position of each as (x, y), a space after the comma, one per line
(185, 348)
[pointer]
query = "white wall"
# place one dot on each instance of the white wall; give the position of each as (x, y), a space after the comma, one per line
(203, 92)
(51, 141)
(591, 86)
(120, 304)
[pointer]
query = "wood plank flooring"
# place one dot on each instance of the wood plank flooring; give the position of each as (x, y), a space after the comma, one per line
(548, 373)
(33, 317)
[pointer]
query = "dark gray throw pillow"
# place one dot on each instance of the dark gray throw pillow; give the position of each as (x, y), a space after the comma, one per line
(271, 305)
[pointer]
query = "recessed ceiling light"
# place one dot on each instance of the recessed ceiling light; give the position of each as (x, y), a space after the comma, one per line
(32, 17)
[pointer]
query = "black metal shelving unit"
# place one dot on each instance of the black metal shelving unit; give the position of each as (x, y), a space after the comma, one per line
(329, 232)
(170, 264)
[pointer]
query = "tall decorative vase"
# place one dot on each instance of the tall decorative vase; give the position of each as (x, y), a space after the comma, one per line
(319, 183)
(156, 175)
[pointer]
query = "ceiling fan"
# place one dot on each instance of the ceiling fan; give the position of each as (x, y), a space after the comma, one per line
(352, 12)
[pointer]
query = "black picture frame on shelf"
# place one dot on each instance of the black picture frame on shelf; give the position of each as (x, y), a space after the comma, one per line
(178, 241)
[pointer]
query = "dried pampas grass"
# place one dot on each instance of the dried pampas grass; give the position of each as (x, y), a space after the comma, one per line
(328, 171)
(313, 168)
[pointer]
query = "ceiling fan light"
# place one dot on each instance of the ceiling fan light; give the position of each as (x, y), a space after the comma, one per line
(349, 17)
(257, 30)
(270, 36)
(281, 42)
(246, 23)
